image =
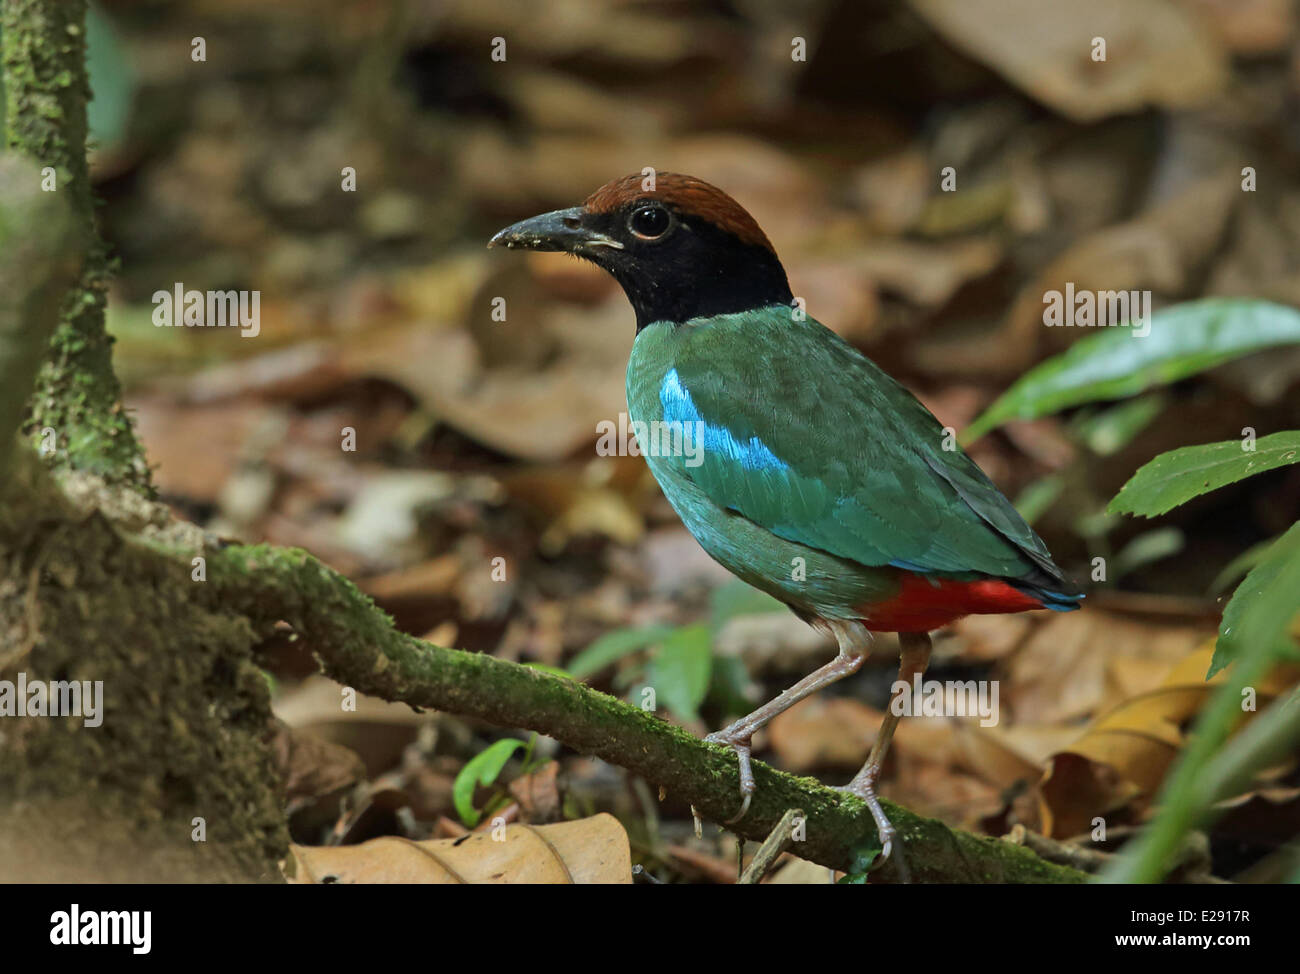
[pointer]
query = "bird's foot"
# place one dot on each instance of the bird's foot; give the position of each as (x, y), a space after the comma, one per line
(738, 741)
(863, 786)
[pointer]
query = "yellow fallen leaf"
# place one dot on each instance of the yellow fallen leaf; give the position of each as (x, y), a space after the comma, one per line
(590, 850)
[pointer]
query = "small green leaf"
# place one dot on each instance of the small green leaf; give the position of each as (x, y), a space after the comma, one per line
(728, 685)
(1107, 431)
(1119, 362)
(112, 79)
(680, 670)
(1259, 617)
(863, 856)
(1176, 477)
(736, 598)
(1148, 547)
(1034, 500)
(858, 878)
(614, 646)
(481, 769)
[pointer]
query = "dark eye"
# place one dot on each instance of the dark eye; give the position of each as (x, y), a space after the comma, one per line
(649, 221)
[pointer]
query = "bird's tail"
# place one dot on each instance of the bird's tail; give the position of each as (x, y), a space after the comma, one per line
(1056, 594)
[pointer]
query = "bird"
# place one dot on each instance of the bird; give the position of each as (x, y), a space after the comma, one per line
(815, 476)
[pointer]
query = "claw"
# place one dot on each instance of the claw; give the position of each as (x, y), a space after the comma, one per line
(864, 786)
(744, 809)
(747, 785)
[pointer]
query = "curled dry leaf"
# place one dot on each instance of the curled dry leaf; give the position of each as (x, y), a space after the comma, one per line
(590, 850)
(313, 767)
(377, 730)
(1123, 756)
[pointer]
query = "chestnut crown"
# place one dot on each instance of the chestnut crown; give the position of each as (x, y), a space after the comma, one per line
(683, 249)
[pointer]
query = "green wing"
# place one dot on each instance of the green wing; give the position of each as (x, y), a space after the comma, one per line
(809, 439)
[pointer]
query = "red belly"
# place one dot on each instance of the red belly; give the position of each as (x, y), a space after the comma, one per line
(923, 604)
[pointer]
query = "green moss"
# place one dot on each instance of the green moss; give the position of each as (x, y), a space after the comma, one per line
(43, 56)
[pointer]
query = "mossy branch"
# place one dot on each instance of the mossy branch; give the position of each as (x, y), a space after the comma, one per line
(46, 87)
(357, 645)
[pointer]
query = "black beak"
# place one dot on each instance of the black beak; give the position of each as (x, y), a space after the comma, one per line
(562, 230)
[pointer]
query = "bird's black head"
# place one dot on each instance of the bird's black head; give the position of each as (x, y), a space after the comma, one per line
(682, 249)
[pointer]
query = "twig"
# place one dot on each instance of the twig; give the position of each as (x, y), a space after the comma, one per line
(1067, 854)
(776, 843)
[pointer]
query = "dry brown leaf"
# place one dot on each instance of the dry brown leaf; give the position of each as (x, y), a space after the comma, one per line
(824, 732)
(1158, 250)
(941, 791)
(891, 192)
(707, 866)
(928, 274)
(313, 767)
(575, 500)
(991, 637)
(993, 757)
(838, 294)
(1157, 52)
(426, 579)
(538, 794)
(929, 739)
(800, 872)
(377, 730)
(1061, 673)
(590, 850)
(196, 467)
(1250, 27)
(1123, 756)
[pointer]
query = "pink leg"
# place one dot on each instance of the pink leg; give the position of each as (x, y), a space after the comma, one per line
(915, 657)
(854, 640)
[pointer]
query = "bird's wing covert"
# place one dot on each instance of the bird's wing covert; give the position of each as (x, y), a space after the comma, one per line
(807, 438)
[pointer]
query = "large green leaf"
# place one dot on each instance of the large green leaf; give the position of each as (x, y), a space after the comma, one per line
(680, 670)
(1176, 477)
(1237, 569)
(1118, 362)
(482, 769)
(614, 646)
(1259, 617)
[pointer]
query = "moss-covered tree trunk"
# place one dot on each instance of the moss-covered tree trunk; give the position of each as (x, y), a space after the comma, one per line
(76, 411)
(164, 771)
